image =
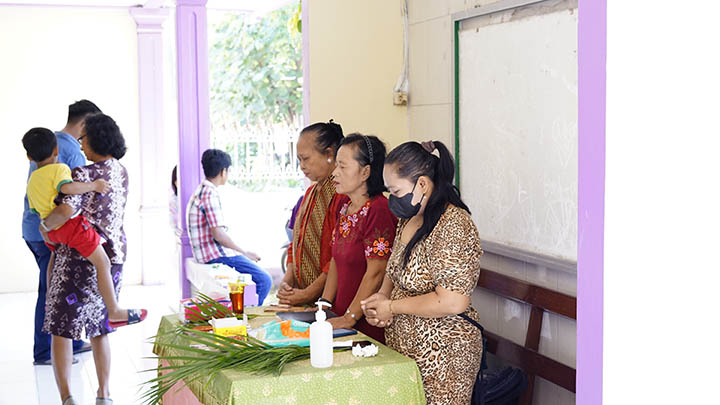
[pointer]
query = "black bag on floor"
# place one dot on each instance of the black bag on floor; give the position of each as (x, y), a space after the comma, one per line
(501, 388)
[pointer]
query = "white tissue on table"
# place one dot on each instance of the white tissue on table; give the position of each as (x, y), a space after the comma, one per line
(367, 351)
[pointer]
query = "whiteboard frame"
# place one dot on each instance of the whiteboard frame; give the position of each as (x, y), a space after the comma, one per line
(569, 266)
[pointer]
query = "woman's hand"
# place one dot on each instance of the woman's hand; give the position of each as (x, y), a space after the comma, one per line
(375, 297)
(378, 309)
(285, 291)
(342, 322)
(368, 307)
(291, 296)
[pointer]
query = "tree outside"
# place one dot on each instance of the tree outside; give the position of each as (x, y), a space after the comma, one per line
(256, 115)
(256, 95)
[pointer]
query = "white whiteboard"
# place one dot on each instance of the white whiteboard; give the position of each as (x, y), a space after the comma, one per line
(518, 129)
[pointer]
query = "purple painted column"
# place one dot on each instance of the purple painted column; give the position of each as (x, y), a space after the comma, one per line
(193, 109)
(591, 198)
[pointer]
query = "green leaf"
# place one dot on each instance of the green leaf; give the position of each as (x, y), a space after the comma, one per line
(245, 58)
(249, 355)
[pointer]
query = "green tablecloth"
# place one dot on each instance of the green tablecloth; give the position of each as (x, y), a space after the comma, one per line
(388, 378)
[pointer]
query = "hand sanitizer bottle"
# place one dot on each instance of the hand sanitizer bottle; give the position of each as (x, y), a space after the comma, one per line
(321, 339)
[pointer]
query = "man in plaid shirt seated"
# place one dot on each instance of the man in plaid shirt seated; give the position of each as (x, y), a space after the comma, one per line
(207, 228)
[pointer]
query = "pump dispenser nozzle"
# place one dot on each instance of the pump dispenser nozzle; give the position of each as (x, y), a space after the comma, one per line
(320, 315)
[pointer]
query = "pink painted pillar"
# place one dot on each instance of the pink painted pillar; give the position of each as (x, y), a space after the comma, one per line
(193, 109)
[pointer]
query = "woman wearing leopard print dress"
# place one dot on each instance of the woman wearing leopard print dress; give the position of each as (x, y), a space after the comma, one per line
(431, 274)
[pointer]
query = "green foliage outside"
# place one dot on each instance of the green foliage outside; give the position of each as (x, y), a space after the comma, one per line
(256, 88)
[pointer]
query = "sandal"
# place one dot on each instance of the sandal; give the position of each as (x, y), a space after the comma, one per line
(103, 401)
(134, 316)
(69, 401)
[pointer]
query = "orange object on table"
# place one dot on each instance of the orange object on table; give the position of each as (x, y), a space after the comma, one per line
(292, 333)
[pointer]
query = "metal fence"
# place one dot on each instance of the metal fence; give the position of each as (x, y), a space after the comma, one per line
(260, 155)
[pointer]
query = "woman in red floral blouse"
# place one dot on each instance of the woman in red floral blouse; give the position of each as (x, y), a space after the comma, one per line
(364, 234)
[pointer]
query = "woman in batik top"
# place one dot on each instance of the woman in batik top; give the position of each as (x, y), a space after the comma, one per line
(308, 258)
(74, 302)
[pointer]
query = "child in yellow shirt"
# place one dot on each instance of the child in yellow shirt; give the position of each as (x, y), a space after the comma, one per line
(43, 186)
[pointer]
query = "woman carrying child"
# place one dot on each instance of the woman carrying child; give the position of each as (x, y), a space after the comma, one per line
(74, 302)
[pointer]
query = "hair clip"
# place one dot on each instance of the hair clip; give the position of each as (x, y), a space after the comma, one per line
(369, 145)
(428, 146)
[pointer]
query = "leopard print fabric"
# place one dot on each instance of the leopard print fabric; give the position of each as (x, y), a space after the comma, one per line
(447, 350)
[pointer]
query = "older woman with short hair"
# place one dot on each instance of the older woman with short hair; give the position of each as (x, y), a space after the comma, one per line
(74, 302)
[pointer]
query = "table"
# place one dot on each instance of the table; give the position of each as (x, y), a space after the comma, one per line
(388, 378)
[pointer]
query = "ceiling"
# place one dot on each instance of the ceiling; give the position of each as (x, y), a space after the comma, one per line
(245, 5)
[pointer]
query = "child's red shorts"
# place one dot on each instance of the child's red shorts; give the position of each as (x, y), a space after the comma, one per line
(78, 234)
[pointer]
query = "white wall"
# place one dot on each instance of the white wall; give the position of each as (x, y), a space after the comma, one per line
(662, 203)
(51, 57)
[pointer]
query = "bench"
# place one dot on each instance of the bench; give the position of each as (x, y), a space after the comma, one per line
(527, 357)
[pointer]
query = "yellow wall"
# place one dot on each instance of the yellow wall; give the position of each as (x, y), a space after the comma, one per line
(356, 56)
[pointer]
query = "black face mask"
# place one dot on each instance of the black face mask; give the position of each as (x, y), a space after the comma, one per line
(402, 207)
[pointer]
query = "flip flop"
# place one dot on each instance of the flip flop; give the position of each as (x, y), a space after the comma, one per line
(48, 362)
(134, 316)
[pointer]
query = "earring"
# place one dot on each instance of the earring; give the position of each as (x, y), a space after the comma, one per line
(329, 160)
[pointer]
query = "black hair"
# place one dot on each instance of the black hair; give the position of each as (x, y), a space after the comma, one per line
(412, 160)
(39, 143)
(80, 110)
(375, 183)
(327, 135)
(173, 180)
(104, 136)
(214, 161)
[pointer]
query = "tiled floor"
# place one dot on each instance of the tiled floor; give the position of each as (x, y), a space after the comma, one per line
(21, 383)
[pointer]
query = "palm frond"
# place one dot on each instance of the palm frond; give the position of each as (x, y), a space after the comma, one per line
(191, 363)
(208, 308)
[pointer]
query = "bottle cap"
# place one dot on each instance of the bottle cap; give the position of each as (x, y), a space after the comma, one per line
(320, 314)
